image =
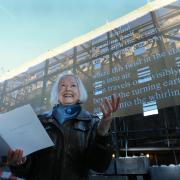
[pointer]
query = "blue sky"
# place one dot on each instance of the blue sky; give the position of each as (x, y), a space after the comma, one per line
(30, 28)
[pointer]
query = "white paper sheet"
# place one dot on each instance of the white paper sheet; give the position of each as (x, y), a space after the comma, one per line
(20, 128)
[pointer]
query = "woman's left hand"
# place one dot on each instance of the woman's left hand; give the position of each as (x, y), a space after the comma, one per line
(107, 108)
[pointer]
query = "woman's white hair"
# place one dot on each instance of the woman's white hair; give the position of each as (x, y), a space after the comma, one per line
(54, 100)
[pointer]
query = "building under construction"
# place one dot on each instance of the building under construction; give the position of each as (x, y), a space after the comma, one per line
(137, 57)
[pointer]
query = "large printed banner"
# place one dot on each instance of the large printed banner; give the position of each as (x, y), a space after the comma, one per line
(145, 68)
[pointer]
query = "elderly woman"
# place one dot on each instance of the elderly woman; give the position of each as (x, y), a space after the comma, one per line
(82, 141)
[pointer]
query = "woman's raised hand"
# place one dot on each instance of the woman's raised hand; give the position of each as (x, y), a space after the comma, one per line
(107, 108)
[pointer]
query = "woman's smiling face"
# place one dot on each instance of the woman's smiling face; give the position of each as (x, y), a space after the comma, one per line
(68, 90)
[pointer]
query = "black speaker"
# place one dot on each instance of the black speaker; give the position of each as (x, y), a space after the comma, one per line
(132, 165)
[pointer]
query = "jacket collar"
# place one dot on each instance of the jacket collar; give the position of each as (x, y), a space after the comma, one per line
(84, 115)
